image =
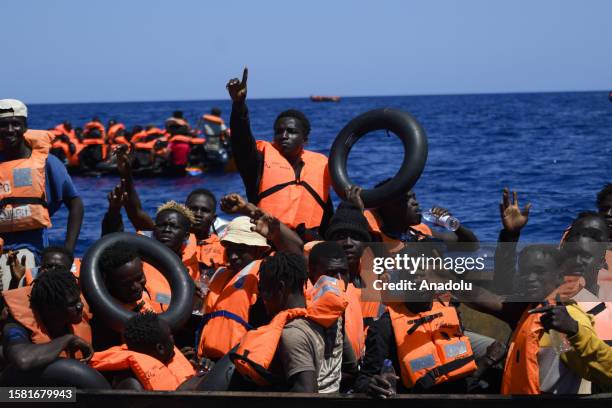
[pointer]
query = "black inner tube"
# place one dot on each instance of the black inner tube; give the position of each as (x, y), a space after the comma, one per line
(155, 254)
(67, 372)
(409, 131)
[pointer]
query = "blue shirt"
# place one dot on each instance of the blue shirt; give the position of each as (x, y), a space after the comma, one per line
(59, 189)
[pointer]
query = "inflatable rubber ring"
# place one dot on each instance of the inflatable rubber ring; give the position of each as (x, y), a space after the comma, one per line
(409, 131)
(155, 254)
(67, 372)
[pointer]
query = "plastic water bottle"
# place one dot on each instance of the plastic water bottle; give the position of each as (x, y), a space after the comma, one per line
(559, 342)
(204, 281)
(447, 221)
(388, 372)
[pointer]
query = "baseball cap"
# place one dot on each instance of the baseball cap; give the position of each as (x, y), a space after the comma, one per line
(12, 107)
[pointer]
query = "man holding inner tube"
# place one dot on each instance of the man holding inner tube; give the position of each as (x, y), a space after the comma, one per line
(281, 178)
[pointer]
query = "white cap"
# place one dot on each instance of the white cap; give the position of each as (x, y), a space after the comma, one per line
(14, 108)
(238, 231)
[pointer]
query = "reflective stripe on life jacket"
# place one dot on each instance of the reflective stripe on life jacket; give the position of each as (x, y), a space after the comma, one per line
(23, 203)
(431, 346)
(150, 372)
(293, 201)
(227, 310)
(522, 370)
(326, 303)
(18, 303)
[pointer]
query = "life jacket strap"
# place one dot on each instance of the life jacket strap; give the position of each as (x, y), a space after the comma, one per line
(219, 313)
(429, 379)
(416, 323)
(597, 309)
(13, 201)
(279, 187)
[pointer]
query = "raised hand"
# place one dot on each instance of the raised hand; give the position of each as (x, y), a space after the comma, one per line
(17, 267)
(512, 217)
(238, 89)
(234, 203)
(353, 195)
(124, 165)
(440, 212)
(265, 224)
(117, 197)
(556, 317)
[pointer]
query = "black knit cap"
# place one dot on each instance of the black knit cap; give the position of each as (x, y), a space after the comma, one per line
(348, 217)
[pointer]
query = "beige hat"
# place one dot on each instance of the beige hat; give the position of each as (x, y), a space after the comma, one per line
(238, 231)
(12, 107)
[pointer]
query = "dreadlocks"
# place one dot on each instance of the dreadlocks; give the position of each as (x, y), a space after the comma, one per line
(283, 266)
(143, 331)
(52, 289)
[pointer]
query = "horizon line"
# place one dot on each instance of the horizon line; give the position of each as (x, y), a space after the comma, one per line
(307, 97)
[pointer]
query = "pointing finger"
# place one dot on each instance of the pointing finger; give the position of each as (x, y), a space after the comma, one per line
(245, 76)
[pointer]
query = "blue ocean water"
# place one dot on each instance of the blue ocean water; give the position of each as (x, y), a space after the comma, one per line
(554, 148)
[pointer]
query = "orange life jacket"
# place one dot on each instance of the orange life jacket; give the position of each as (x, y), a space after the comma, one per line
(113, 130)
(18, 303)
(61, 130)
(89, 126)
(155, 131)
(227, 310)
(75, 270)
(158, 287)
(213, 119)
(138, 136)
(522, 370)
(376, 224)
(431, 346)
(257, 348)
(293, 201)
(209, 252)
(150, 372)
(96, 142)
(23, 204)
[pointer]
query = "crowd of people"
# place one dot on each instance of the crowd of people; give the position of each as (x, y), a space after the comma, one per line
(279, 292)
(170, 151)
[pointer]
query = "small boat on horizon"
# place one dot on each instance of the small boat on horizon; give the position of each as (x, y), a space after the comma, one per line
(321, 98)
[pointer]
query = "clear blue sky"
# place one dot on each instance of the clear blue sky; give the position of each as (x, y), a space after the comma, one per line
(136, 50)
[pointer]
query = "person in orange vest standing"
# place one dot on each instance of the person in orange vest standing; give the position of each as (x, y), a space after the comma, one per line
(46, 321)
(33, 186)
(282, 178)
(148, 360)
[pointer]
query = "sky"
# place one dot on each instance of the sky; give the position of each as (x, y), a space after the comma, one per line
(135, 50)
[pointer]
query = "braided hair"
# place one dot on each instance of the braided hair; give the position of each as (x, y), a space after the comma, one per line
(52, 289)
(283, 266)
